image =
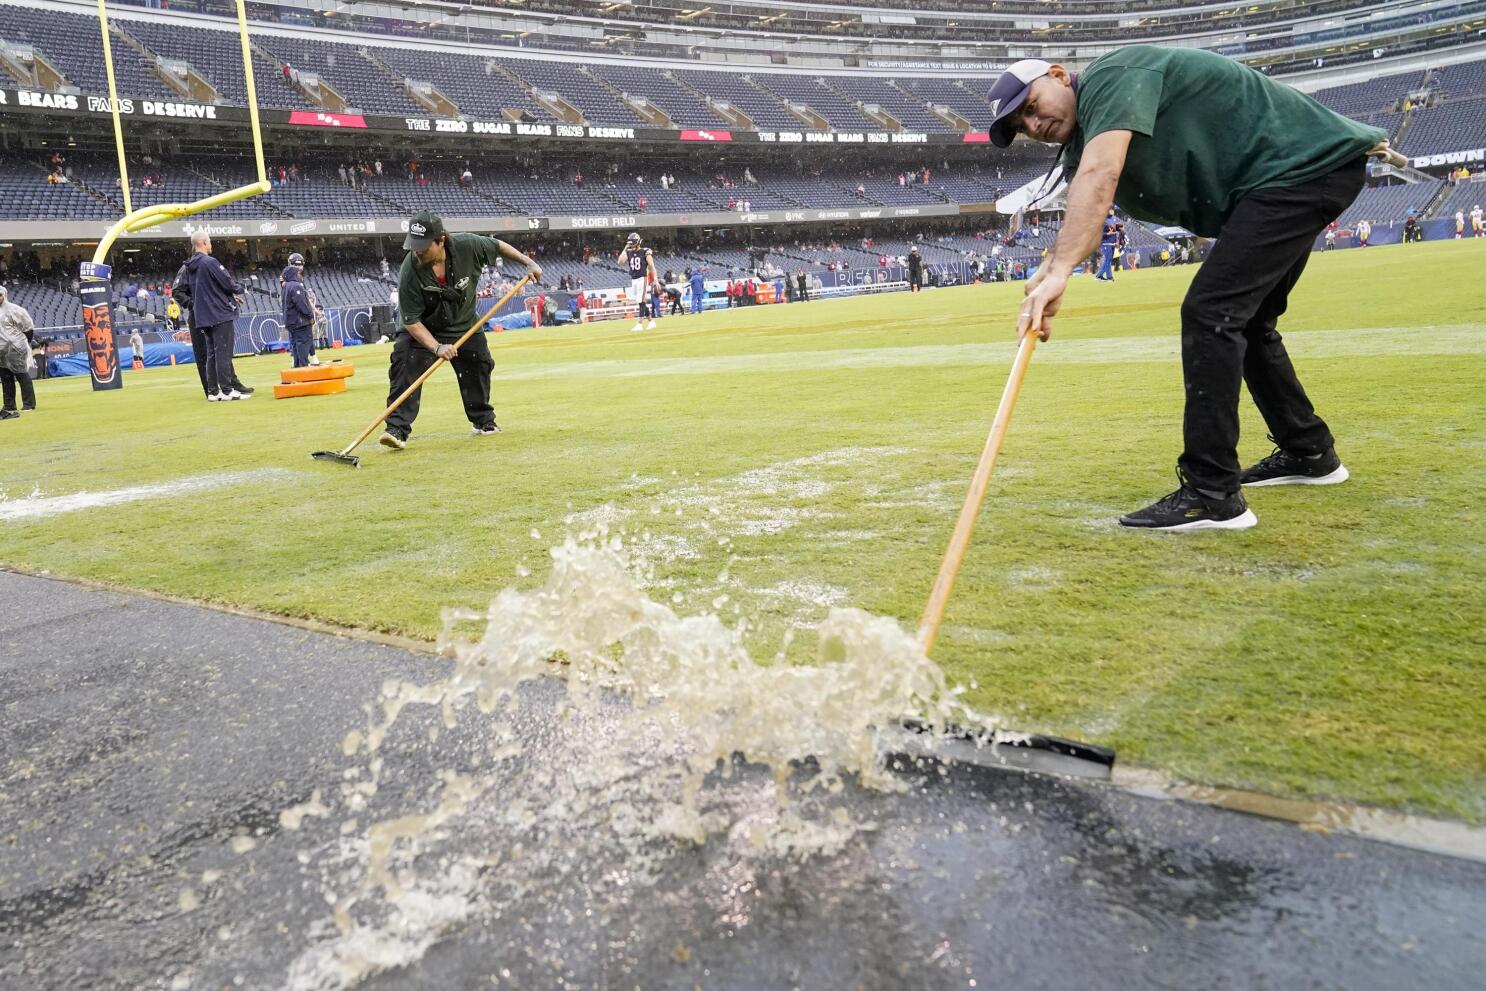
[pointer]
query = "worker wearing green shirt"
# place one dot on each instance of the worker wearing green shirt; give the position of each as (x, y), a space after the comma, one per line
(436, 291)
(1187, 137)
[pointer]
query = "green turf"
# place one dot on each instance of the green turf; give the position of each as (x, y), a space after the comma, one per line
(1335, 650)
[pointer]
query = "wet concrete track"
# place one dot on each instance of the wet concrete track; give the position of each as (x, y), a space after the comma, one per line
(147, 750)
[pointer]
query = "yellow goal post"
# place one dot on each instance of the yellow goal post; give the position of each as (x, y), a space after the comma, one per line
(134, 220)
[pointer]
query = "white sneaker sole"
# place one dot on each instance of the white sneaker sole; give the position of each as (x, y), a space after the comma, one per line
(1240, 522)
(1335, 478)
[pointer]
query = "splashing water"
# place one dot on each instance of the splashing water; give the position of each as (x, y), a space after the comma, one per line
(654, 707)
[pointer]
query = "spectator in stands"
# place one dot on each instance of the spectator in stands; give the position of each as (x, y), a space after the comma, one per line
(215, 297)
(16, 335)
(1262, 168)
(299, 315)
(467, 177)
(173, 315)
(436, 290)
(377, 166)
(578, 181)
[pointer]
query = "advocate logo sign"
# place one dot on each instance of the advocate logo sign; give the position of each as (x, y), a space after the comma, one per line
(211, 230)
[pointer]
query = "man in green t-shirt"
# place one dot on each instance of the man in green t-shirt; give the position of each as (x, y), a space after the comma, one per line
(1187, 137)
(436, 290)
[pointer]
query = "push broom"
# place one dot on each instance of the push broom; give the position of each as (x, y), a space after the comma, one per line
(1089, 759)
(959, 542)
(345, 456)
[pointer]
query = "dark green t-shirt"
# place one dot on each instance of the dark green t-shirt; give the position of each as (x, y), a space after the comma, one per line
(1207, 131)
(446, 310)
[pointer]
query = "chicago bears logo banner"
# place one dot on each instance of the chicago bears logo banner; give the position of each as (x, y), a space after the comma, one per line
(98, 327)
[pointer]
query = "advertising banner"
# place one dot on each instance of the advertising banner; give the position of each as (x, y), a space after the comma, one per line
(98, 327)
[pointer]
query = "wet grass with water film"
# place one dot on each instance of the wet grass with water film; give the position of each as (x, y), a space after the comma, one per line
(769, 463)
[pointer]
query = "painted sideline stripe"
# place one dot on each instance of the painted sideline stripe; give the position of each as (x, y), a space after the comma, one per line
(21, 509)
(1362, 342)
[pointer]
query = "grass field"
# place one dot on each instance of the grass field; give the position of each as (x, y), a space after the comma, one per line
(795, 457)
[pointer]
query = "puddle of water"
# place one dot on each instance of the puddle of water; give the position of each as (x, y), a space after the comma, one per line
(654, 707)
(37, 505)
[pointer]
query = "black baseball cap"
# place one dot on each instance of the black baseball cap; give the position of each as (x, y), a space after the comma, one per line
(424, 229)
(1007, 95)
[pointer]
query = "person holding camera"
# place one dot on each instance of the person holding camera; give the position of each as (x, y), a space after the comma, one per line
(437, 286)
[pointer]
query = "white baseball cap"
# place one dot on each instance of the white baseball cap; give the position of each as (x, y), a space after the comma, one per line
(1007, 95)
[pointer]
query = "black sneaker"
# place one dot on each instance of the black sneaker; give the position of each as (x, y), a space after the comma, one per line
(1188, 509)
(392, 440)
(489, 431)
(242, 389)
(9, 414)
(1284, 468)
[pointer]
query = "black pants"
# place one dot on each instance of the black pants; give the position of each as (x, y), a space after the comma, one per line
(472, 367)
(8, 380)
(202, 352)
(1228, 326)
(220, 342)
(301, 343)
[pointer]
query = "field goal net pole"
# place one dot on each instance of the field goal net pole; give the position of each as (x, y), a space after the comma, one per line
(95, 277)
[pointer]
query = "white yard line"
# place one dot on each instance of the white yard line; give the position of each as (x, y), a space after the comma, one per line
(35, 506)
(1361, 342)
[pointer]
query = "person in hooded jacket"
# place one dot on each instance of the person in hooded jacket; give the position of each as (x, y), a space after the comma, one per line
(214, 299)
(16, 335)
(180, 292)
(299, 313)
